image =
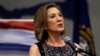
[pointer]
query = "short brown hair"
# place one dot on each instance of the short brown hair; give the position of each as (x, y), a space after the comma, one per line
(40, 20)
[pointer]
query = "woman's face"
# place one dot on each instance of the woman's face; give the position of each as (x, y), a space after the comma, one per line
(55, 21)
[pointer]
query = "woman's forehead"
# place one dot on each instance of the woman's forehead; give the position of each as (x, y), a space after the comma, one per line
(52, 10)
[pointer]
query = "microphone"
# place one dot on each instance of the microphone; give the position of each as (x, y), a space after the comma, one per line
(68, 40)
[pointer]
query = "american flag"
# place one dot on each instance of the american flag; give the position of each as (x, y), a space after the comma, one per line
(16, 34)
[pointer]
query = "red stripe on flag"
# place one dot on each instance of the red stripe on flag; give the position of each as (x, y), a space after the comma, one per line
(28, 25)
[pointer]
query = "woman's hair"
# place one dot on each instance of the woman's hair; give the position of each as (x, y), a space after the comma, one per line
(40, 20)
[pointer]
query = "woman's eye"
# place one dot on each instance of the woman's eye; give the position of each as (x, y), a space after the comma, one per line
(60, 15)
(52, 16)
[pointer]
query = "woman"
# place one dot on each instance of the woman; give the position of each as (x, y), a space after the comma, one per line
(49, 27)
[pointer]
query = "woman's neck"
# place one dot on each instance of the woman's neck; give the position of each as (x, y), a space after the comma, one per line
(55, 40)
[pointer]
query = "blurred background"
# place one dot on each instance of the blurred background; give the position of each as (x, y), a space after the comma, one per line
(17, 24)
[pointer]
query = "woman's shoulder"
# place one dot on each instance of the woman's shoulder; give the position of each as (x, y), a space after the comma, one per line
(34, 51)
(34, 47)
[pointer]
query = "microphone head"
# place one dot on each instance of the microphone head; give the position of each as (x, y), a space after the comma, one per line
(67, 38)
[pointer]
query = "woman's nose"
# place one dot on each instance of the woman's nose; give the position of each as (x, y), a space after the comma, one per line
(59, 18)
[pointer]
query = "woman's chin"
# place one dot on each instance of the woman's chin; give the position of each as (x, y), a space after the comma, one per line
(60, 30)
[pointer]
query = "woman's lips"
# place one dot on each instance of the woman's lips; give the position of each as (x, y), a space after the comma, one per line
(60, 25)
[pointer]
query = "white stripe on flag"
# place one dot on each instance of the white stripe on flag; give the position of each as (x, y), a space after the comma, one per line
(17, 36)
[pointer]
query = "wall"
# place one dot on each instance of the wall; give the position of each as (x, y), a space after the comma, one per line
(94, 13)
